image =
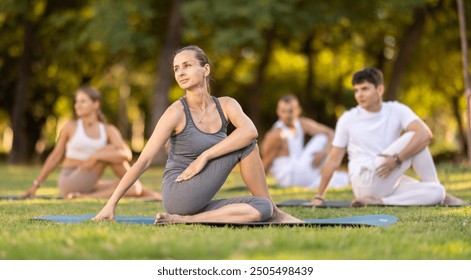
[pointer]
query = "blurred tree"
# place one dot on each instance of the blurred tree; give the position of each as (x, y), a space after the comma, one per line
(164, 75)
(434, 84)
(23, 30)
(260, 50)
(237, 26)
(94, 42)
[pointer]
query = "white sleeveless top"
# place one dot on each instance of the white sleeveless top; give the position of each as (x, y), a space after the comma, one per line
(295, 142)
(282, 167)
(81, 147)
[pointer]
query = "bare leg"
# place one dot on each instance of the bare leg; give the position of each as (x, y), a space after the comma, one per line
(253, 174)
(119, 169)
(105, 190)
(137, 190)
(233, 213)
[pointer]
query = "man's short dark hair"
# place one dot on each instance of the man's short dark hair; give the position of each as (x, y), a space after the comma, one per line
(288, 98)
(370, 75)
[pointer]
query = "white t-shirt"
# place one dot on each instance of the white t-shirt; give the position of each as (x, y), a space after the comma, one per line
(366, 134)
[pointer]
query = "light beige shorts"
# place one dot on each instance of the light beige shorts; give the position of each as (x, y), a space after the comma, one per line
(73, 180)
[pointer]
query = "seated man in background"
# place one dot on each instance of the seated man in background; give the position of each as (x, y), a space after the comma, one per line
(283, 151)
(383, 140)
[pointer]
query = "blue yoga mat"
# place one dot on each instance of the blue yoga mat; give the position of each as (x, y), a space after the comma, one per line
(307, 203)
(18, 197)
(66, 219)
(368, 220)
(347, 204)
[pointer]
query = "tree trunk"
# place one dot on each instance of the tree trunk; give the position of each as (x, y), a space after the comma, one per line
(307, 100)
(123, 123)
(409, 44)
(256, 89)
(19, 153)
(467, 82)
(463, 137)
(164, 73)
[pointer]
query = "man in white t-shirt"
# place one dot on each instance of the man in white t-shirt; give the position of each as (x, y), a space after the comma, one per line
(383, 140)
(284, 154)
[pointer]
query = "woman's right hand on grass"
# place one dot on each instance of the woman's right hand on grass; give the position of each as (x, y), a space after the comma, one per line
(31, 192)
(106, 214)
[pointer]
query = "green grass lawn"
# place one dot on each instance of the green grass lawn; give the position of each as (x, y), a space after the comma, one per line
(421, 233)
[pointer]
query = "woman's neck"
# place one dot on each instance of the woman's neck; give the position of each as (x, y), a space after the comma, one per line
(89, 120)
(197, 98)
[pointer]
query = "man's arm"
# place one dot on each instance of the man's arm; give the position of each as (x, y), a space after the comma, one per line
(334, 159)
(420, 140)
(311, 127)
(270, 148)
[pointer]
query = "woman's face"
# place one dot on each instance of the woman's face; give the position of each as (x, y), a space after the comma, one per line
(189, 74)
(84, 105)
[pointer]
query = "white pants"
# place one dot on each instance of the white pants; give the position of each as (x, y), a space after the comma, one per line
(289, 171)
(397, 188)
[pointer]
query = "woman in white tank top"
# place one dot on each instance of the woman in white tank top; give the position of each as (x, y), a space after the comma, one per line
(86, 145)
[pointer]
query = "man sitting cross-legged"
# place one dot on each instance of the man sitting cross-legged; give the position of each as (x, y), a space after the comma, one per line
(383, 140)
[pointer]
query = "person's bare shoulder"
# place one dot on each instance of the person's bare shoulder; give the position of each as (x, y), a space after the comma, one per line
(275, 134)
(69, 127)
(176, 111)
(70, 124)
(67, 131)
(174, 117)
(176, 107)
(227, 101)
(228, 105)
(110, 128)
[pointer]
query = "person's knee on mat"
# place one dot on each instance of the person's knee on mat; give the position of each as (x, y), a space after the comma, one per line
(264, 207)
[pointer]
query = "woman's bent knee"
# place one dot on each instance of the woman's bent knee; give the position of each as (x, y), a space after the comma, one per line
(264, 207)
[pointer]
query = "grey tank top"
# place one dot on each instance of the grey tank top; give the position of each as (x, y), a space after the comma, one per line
(187, 145)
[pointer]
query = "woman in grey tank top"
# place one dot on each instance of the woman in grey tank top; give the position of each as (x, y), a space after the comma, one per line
(202, 155)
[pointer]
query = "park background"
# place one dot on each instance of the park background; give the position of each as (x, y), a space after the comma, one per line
(260, 50)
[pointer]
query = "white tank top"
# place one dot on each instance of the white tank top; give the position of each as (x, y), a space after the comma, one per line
(295, 142)
(282, 167)
(81, 147)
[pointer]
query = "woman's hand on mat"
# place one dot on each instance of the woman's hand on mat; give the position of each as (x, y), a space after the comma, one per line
(31, 192)
(106, 214)
(194, 168)
(387, 167)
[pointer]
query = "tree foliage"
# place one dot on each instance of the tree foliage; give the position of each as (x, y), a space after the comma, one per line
(260, 50)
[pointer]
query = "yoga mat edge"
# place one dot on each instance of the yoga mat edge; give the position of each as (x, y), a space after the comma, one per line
(366, 220)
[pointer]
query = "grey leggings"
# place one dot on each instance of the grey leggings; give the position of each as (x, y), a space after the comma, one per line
(195, 195)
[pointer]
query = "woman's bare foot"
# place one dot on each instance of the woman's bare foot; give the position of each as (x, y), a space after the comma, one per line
(367, 200)
(73, 195)
(282, 217)
(451, 200)
(164, 217)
